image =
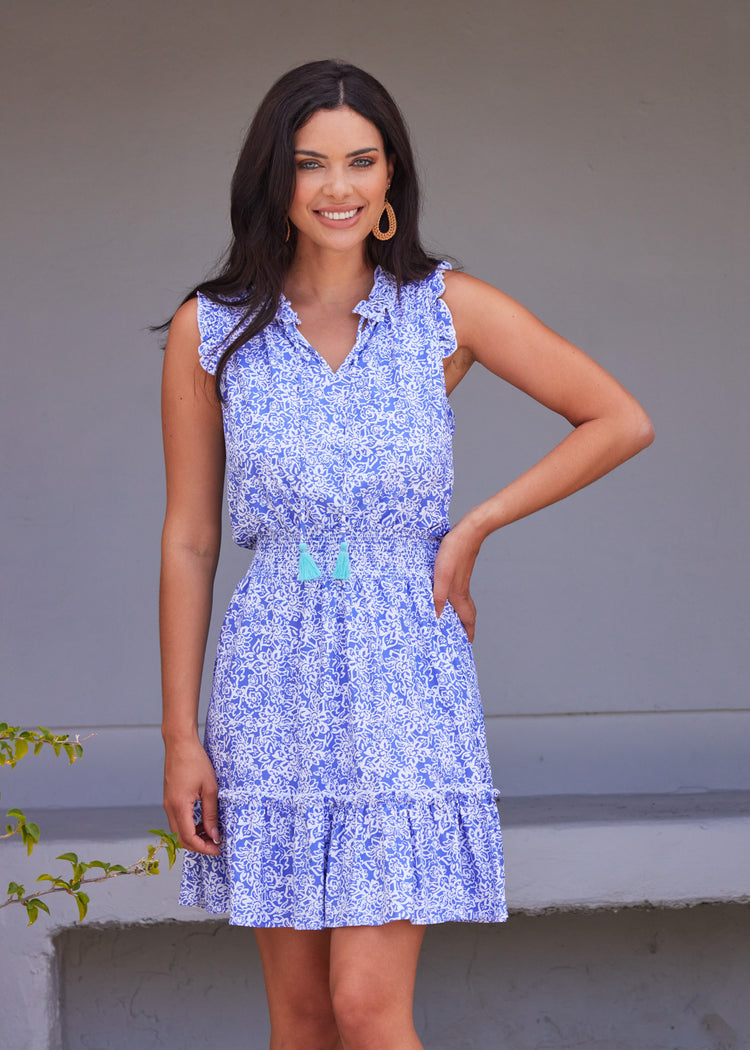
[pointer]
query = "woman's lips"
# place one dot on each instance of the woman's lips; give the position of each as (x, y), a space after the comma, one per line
(339, 217)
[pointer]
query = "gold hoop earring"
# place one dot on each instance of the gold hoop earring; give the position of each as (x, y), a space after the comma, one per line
(392, 224)
(288, 231)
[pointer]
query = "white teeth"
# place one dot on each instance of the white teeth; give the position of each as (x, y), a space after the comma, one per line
(339, 214)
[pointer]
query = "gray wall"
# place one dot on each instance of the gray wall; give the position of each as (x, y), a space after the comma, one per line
(591, 158)
(602, 981)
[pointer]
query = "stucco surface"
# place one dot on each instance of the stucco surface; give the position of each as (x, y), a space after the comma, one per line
(598, 981)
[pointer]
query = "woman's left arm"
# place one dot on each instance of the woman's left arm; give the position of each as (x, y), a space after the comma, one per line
(609, 426)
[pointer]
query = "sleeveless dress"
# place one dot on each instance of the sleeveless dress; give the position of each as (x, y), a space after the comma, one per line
(345, 724)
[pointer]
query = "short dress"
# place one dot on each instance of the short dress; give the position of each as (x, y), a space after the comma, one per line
(345, 724)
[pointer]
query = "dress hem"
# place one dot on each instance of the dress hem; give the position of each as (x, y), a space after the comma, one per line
(416, 919)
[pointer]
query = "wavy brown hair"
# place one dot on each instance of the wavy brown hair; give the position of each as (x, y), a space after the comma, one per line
(251, 274)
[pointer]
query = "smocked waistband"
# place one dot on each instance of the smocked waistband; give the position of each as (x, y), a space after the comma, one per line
(370, 553)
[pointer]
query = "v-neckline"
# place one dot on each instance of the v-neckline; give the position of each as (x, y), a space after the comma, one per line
(335, 371)
(368, 309)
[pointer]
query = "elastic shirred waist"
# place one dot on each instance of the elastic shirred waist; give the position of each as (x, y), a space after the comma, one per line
(397, 554)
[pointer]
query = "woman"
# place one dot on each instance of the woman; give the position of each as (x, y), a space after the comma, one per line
(344, 739)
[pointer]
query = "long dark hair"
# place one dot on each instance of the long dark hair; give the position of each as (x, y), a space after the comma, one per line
(252, 272)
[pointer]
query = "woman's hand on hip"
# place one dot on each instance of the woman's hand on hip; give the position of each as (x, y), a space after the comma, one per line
(453, 568)
(189, 777)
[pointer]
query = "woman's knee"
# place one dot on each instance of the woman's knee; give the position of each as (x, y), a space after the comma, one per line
(304, 1026)
(361, 1011)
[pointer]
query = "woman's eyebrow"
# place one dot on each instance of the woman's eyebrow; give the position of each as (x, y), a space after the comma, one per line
(323, 156)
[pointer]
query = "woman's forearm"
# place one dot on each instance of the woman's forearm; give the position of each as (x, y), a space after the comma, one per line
(185, 598)
(591, 450)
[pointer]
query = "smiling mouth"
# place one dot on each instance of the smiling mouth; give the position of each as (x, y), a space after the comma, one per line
(334, 216)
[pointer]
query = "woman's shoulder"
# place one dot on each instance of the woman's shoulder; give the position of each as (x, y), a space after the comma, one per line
(185, 321)
(445, 282)
(460, 286)
(469, 298)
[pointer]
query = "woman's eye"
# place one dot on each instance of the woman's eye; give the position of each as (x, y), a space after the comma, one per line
(308, 165)
(363, 162)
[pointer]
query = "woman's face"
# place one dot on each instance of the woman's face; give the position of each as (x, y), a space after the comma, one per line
(341, 181)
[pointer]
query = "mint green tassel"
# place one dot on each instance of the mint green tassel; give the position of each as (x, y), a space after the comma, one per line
(308, 570)
(343, 569)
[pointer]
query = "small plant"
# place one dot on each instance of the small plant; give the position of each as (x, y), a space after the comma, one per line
(15, 744)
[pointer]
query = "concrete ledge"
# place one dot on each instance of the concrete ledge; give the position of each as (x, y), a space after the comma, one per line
(614, 851)
(562, 853)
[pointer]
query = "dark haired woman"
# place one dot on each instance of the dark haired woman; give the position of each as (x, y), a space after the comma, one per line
(344, 799)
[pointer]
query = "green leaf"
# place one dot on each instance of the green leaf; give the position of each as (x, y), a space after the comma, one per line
(17, 814)
(29, 836)
(22, 747)
(15, 888)
(42, 904)
(82, 900)
(32, 911)
(61, 884)
(99, 864)
(72, 857)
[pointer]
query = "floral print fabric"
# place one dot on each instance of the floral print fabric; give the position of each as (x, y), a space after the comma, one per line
(345, 724)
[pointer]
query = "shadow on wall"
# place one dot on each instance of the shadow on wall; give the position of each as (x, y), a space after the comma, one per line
(638, 979)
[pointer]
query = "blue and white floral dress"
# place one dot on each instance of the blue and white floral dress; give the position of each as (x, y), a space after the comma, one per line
(345, 724)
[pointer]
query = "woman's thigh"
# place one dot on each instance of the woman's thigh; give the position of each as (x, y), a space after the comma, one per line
(373, 969)
(296, 967)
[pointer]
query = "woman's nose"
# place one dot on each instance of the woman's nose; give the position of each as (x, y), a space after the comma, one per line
(338, 183)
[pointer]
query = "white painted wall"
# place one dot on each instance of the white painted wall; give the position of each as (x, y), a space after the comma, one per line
(591, 158)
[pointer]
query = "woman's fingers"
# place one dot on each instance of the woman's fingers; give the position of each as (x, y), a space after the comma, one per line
(189, 777)
(445, 570)
(210, 814)
(439, 593)
(466, 611)
(194, 836)
(453, 567)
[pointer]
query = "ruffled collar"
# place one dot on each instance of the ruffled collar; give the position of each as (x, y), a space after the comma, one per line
(382, 299)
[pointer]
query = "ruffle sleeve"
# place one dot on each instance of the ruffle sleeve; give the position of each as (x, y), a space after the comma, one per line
(443, 321)
(216, 322)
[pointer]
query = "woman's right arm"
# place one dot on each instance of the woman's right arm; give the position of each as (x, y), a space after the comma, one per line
(194, 459)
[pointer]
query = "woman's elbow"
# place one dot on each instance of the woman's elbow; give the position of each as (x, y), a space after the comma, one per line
(644, 431)
(637, 431)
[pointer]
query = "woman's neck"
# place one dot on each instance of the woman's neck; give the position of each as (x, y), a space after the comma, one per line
(328, 278)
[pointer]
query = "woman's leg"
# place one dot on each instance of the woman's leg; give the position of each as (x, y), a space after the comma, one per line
(296, 966)
(373, 969)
